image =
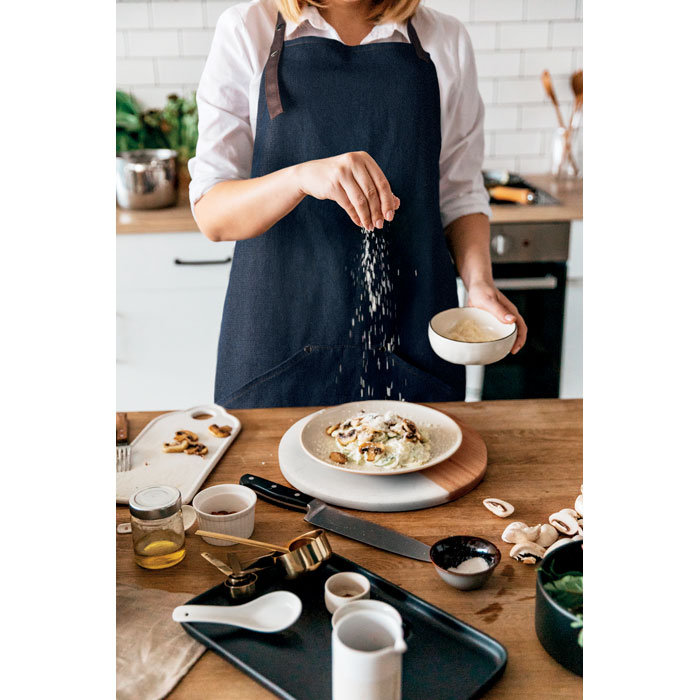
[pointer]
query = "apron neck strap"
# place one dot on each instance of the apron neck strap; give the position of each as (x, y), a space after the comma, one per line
(415, 42)
(272, 86)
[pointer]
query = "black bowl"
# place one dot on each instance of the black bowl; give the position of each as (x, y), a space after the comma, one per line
(552, 621)
(452, 551)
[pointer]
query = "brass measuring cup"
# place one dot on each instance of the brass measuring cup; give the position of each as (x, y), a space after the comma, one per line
(306, 553)
(240, 584)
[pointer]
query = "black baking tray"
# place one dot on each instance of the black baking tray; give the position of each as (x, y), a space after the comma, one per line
(446, 659)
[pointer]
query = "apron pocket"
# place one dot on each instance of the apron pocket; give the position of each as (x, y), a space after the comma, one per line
(310, 377)
(415, 384)
(250, 389)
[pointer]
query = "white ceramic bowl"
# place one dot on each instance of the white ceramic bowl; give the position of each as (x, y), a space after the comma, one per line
(238, 500)
(460, 352)
(445, 434)
(343, 588)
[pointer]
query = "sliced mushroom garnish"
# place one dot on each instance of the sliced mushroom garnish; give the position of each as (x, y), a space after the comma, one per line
(332, 428)
(578, 506)
(371, 450)
(186, 436)
(197, 449)
(221, 431)
(564, 522)
(347, 436)
(498, 507)
(175, 446)
(548, 536)
(338, 457)
(527, 552)
(411, 430)
(580, 527)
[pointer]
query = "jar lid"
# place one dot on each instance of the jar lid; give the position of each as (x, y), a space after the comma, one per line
(155, 502)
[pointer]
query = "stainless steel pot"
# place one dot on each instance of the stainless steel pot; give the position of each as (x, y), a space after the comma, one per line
(147, 179)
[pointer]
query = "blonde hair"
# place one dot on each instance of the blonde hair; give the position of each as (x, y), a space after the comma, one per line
(383, 11)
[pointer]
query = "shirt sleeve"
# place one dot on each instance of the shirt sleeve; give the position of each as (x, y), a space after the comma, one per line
(225, 143)
(462, 188)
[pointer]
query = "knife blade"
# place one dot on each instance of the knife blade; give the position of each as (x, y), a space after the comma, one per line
(322, 515)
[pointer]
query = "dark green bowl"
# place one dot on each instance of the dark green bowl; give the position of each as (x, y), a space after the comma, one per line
(552, 621)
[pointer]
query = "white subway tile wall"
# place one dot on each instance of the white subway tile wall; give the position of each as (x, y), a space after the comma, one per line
(162, 46)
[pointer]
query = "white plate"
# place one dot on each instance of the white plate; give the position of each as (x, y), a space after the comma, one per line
(445, 434)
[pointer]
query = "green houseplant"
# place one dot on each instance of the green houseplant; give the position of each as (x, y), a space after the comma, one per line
(174, 126)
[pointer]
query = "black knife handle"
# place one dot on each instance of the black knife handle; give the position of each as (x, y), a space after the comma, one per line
(276, 493)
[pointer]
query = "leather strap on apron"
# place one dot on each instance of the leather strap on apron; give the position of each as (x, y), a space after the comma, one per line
(272, 86)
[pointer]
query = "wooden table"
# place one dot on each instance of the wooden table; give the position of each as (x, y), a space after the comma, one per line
(179, 219)
(535, 458)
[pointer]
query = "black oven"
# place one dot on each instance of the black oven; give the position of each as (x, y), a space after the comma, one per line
(529, 266)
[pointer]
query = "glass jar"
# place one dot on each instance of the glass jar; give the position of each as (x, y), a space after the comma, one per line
(157, 529)
(567, 155)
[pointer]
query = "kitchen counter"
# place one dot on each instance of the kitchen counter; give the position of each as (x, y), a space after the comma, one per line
(179, 218)
(535, 463)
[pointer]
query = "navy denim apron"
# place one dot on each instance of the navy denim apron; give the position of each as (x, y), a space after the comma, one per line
(291, 333)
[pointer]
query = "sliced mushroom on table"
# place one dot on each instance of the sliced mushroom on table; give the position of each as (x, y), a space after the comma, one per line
(499, 507)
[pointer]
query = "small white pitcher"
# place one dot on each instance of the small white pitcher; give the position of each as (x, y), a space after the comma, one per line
(368, 649)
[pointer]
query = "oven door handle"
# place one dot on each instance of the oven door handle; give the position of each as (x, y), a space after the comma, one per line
(527, 283)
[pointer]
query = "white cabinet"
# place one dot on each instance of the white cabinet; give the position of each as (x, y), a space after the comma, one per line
(168, 317)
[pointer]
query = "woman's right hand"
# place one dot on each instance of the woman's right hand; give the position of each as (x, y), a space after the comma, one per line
(355, 182)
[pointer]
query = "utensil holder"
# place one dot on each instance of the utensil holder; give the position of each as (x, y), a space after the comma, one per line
(567, 158)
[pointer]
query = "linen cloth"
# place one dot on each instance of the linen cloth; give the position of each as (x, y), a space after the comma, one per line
(153, 651)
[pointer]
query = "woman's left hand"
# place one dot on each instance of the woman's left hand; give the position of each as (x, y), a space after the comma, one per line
(484, 295)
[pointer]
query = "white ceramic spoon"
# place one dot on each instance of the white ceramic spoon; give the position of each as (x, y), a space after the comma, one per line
(272, 612)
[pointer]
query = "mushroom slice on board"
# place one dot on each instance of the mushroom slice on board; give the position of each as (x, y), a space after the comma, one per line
(527, 552)
(564, 522)
(498, 507)
(220, 431)
(578, 506)
(197, 449)
(519, 532)
(186, 436)
(175, 446)
(548, 536)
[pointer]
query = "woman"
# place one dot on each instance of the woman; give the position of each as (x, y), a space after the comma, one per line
(315, 119)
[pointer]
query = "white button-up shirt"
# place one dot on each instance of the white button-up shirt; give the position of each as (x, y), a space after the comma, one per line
(227, 98)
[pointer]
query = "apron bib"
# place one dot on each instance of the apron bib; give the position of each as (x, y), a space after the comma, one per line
(296, 319)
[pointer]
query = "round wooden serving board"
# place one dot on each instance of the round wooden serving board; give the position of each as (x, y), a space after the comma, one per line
(444, 482)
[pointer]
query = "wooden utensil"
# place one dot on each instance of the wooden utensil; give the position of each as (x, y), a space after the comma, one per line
(549, 89)
(577, 89)
(243, 540)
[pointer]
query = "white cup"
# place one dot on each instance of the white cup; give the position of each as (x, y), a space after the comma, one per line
(238, 500)
(375, 606)
(368, 650)
(343, 588)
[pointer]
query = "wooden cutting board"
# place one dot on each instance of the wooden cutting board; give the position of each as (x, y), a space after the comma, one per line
(442, 483)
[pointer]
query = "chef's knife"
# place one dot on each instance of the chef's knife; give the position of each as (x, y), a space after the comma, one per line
(322, 515)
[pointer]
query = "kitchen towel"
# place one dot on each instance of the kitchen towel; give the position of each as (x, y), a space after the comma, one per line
(153, 651)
